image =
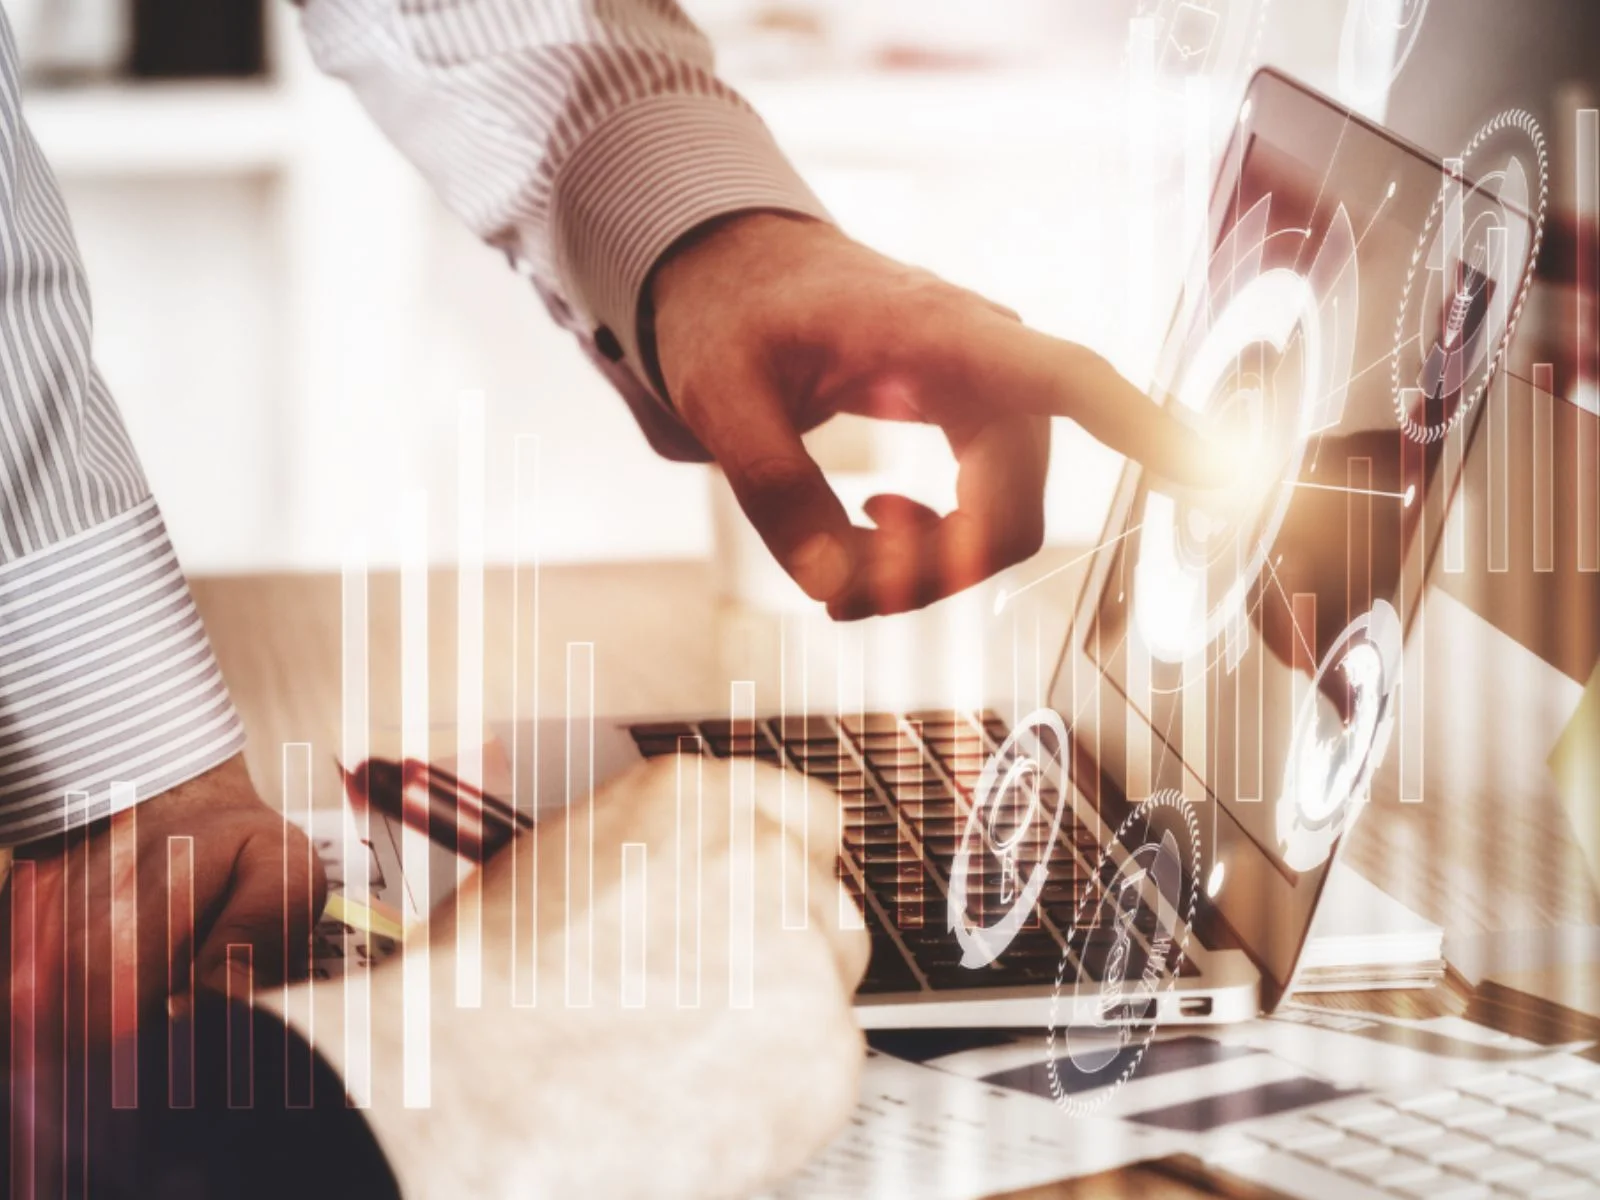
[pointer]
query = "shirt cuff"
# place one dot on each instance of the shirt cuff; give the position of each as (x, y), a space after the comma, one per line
(650, 174)
(109, 691)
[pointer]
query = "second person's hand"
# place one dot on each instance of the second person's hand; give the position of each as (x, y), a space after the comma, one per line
(767, 325)
(630, 1067)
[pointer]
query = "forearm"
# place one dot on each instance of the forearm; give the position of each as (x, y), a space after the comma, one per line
(582, 139)
(109, 692)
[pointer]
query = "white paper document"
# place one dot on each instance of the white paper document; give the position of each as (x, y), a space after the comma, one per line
(927, 1133)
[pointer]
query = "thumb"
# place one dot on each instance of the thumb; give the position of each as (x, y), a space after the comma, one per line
(745, 426)
(261, 935)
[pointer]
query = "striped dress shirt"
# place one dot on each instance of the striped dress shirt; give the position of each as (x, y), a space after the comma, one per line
(580, 137)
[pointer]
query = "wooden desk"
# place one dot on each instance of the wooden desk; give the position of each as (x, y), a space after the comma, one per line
(662, 642)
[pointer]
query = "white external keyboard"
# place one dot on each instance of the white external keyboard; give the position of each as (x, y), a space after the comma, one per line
(1531, 1131)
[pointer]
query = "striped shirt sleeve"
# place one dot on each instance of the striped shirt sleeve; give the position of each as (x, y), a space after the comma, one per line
(109, 692)
(583, 138)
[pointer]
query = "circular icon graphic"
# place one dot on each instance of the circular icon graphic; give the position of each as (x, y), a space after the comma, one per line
(1379, 36)
(1269, 369)
(1127, 943)
(1002, 829)
(1469, 276)
(1341, 731)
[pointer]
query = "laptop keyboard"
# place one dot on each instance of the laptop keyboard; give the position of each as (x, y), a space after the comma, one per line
(1529, 1131)
(905, 783)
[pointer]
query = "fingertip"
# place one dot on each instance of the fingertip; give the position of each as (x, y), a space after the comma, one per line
(1211, 463)
(822, 566)
(887, 510)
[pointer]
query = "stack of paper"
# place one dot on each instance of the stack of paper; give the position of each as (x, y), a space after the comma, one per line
(1363, 939)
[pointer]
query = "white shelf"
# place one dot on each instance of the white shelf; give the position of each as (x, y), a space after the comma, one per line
(157, 129)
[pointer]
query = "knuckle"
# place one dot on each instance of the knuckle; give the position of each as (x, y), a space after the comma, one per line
(777, 484)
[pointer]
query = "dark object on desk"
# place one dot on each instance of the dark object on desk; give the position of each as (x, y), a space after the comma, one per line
(196, 39)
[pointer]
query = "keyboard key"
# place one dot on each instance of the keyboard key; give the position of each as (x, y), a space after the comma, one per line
(805, 730)
(1565, 1071)
(1352, 1153)
(904, 753)
(1572, 1150)
(1453, 1109)
(1448, 1187)
(1497, 1166)
(1515, 1129)
(1229, 1148)
(870, 723)
(900, 778)
(820, 756)
(1359, 1113)
(871, 841)
(1548, 1183)
(1406, 1173)
(883, 874)
(1586, 1126)
(742, 747)
(1380, 1162)
(1448, 1147)
(1559, 1107)
(1503, 1087)
(1301, 1133)
(664, 729)
(1400, 1129)
(848, 783)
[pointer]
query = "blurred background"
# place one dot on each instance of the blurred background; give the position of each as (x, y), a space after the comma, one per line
(263, 265)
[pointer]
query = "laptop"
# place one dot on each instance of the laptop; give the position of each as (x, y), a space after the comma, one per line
(1151, 847)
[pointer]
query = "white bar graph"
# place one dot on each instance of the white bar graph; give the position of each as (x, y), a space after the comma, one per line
(579, 824)
(795, 798)
(1410, 723)
(241, 993)
(1141, 158)
(1197, 168)
(415, 850)
(689, 883)
(297, 1007)
(1140, 740)
(849, 698)
(741, 852)
(1497, 422)
(525, 721)
(1196, 725)
(124, 949)
(180, 971)
(635, 949)
(353, 742)
(22, 1081)
(470, 468)
(1544, 475)
(1588, 337)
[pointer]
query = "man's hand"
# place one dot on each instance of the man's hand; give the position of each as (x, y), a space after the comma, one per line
(638, 1087)
(766, 326)
(253, 881)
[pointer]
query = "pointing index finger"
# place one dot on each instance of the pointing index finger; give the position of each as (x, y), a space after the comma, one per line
(1063, 379)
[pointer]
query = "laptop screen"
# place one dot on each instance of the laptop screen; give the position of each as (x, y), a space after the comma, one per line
(1247, 649)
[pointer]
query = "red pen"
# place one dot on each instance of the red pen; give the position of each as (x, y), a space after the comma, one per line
(455, 815)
